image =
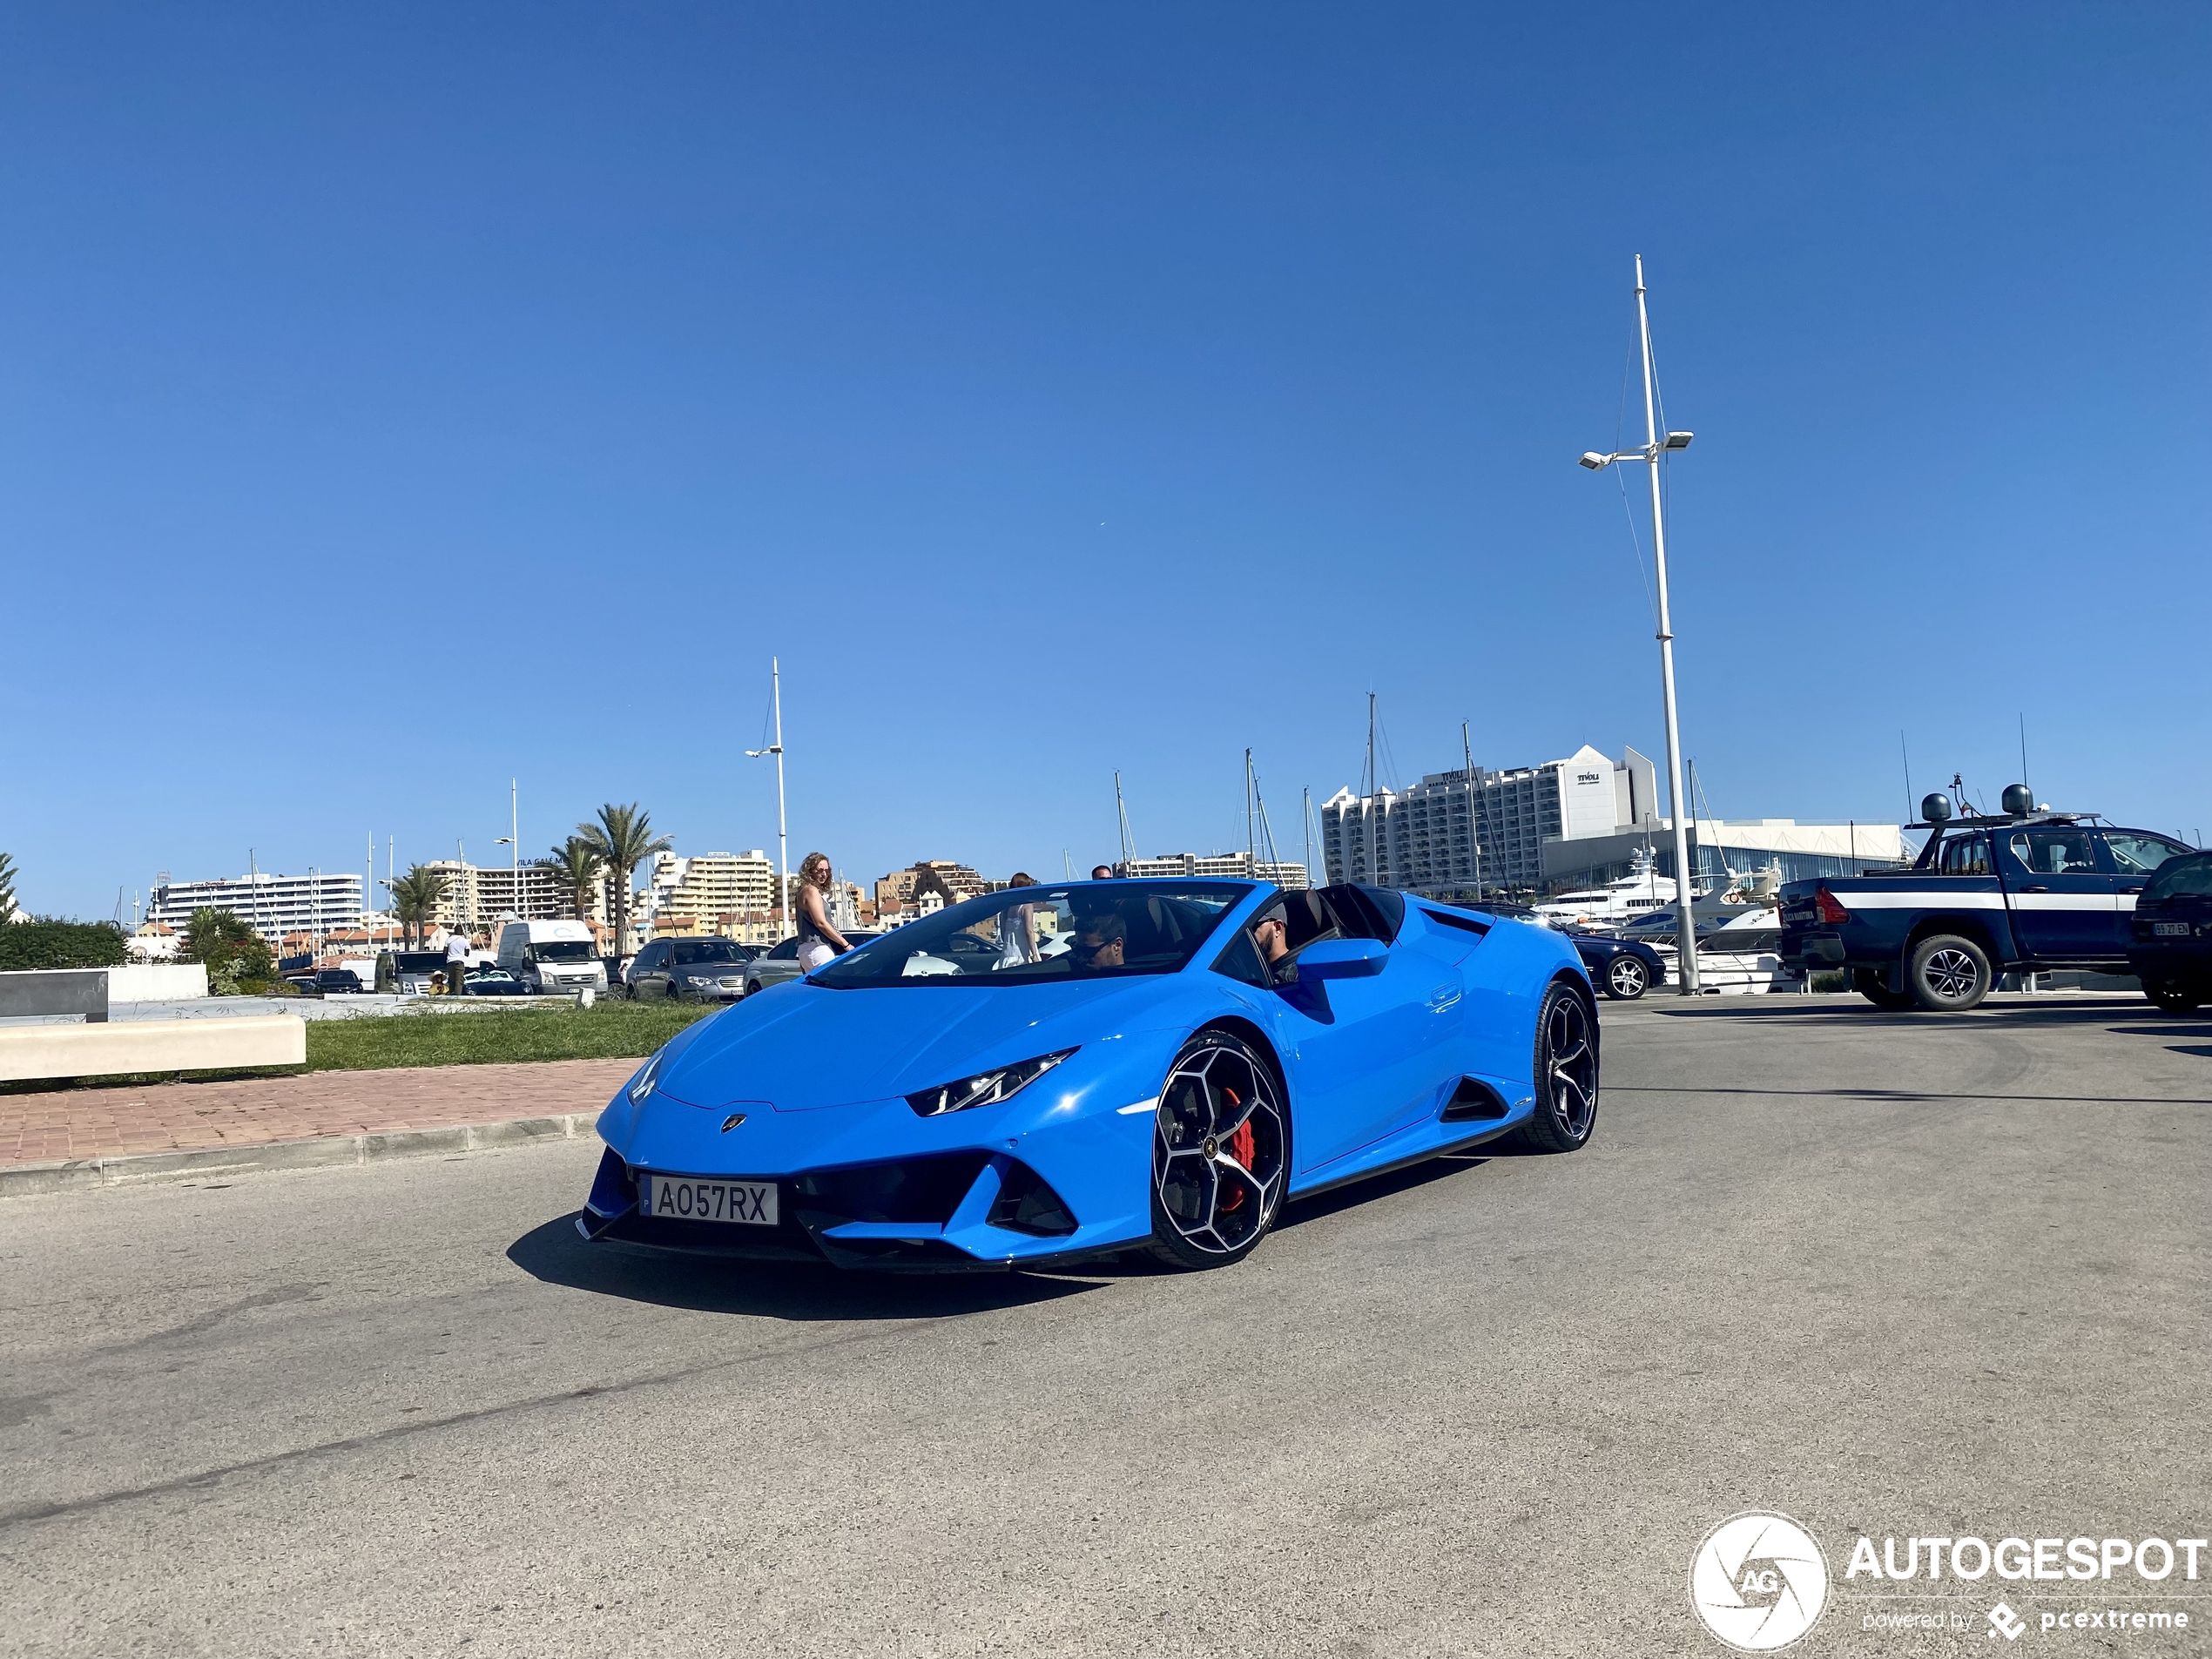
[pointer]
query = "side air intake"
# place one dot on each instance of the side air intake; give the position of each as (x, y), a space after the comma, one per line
(1473, 1101)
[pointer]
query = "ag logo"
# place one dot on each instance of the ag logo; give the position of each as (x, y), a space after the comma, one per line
(1759, 1581)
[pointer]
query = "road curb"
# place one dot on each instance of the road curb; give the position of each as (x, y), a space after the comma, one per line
(137, 1168)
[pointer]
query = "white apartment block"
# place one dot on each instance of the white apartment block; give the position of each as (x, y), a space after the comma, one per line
(272, 906)
(479, 896)
(1236, 867)
(1470, 830)
(707, 888)
(1567, 823)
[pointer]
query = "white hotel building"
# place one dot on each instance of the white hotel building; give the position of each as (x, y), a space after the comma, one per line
(1569, 823)
(1238, 866)
(272, 906)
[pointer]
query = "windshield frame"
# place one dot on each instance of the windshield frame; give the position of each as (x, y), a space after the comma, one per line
(1233, 896)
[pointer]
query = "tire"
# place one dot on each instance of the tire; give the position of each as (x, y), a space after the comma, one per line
(1566, 1074)
(1627, 978)
(1948, 974)
(2175, 999)
(1870, 983)
(1221, 1153)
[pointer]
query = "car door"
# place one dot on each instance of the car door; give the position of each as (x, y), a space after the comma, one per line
(648, 974)
(2062, 901)
(1373, 1051)
(2132, 857)
(779, 964)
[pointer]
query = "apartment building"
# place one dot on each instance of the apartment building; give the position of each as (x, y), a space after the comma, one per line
(272, 905)
(480, 896)
(896, 891)
(1236, 867)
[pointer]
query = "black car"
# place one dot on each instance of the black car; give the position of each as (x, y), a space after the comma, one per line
(2169, 945)
(1622, 968)
(492, 982)
(709, 970)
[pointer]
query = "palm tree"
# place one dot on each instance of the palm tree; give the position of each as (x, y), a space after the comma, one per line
(580, 869)
(622, 839)
(7, 888)
(415, 897)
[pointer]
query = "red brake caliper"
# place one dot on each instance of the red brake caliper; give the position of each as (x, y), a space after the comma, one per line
(1240, 1148)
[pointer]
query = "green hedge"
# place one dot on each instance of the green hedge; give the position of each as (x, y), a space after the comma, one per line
(49, 943)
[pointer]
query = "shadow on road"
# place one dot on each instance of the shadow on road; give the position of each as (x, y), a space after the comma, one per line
(1298, 1212)
(798, 1291)
(2050, 1010)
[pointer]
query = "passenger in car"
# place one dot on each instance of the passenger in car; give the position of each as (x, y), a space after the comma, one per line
(1272, 934)
(1100, 941)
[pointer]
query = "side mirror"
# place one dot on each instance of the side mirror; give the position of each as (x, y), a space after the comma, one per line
(1343, 959)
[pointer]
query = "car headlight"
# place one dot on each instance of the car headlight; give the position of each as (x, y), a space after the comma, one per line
(985, 1088)
(642, 1084)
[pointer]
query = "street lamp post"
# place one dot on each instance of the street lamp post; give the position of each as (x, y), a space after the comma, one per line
(783, 833)
(1655, 448)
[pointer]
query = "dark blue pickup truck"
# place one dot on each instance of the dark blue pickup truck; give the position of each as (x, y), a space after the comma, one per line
(2022, 892)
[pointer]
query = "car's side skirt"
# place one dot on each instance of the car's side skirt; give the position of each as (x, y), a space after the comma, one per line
(1367, 1172)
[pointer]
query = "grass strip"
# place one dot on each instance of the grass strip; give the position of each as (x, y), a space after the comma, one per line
(604, 1031)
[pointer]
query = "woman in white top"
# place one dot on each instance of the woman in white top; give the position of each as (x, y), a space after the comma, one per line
(819, 941)
(1018, 927)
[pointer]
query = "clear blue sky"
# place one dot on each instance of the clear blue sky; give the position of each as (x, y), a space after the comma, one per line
(1065, 389)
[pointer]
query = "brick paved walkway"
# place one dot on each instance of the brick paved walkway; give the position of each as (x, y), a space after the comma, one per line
(112, 1123)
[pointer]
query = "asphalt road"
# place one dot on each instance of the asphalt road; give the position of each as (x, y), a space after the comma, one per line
(1886, 1274)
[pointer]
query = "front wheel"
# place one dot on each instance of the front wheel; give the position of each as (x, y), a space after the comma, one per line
(1627, 978)
(1948, 974)
(2175, 999)
(1566, 1074)
(1221, 1153)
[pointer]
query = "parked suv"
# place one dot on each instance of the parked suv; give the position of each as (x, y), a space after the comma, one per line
(2171, 944)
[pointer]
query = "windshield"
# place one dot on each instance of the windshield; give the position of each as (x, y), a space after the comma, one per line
(690, 953)
(1083, 930)
(2192, 874)
(562, 950)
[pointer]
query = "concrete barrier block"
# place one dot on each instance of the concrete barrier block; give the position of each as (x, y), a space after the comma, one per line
(123, 1046)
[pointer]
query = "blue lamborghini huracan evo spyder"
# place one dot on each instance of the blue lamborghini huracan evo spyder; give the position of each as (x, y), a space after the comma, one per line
(1050, 1073)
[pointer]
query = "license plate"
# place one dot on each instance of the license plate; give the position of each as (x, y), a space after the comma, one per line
(2166, 928)
(680, 1198)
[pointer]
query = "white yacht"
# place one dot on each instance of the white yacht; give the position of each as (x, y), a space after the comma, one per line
(1634, 897)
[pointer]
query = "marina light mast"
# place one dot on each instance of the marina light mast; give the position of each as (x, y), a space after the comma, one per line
(1654, 450)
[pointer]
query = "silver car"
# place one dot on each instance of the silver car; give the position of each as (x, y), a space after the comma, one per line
(776, 966)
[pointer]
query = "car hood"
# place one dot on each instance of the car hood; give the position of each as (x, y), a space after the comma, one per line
(801, 1046)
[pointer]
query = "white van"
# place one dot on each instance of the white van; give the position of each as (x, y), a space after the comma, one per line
(552, 956)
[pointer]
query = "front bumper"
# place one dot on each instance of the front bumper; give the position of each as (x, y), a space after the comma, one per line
(1061, 1171)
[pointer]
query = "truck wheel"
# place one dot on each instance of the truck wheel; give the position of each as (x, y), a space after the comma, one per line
(1873, 985)
(2175, 999)
(1948, 974)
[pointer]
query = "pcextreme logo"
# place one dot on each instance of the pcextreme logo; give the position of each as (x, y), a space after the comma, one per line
(1759, 1581)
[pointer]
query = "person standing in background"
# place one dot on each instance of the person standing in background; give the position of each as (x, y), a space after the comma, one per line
(819, 939)
(1017, 926)
(456, 963)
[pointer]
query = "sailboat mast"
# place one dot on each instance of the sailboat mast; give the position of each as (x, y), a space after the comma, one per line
(1251, 847)
(1372, 874)
(1305, 818)
(1121, 814)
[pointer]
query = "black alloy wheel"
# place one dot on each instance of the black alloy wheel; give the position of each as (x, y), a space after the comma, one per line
(2174, 998)
(1870, 983)
(1566, 1073)
(1948, 974)
(1221, 1153)
(1627, 978)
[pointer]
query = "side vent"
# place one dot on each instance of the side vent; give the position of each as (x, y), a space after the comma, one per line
(1465, 924)
(1473, 1101)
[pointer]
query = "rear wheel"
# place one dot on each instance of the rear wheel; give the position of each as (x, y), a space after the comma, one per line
(1566, 1074)
(1627, 978)
(2175, 999)
(1948, 974)
(1874, 986)
(1221, 1153)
